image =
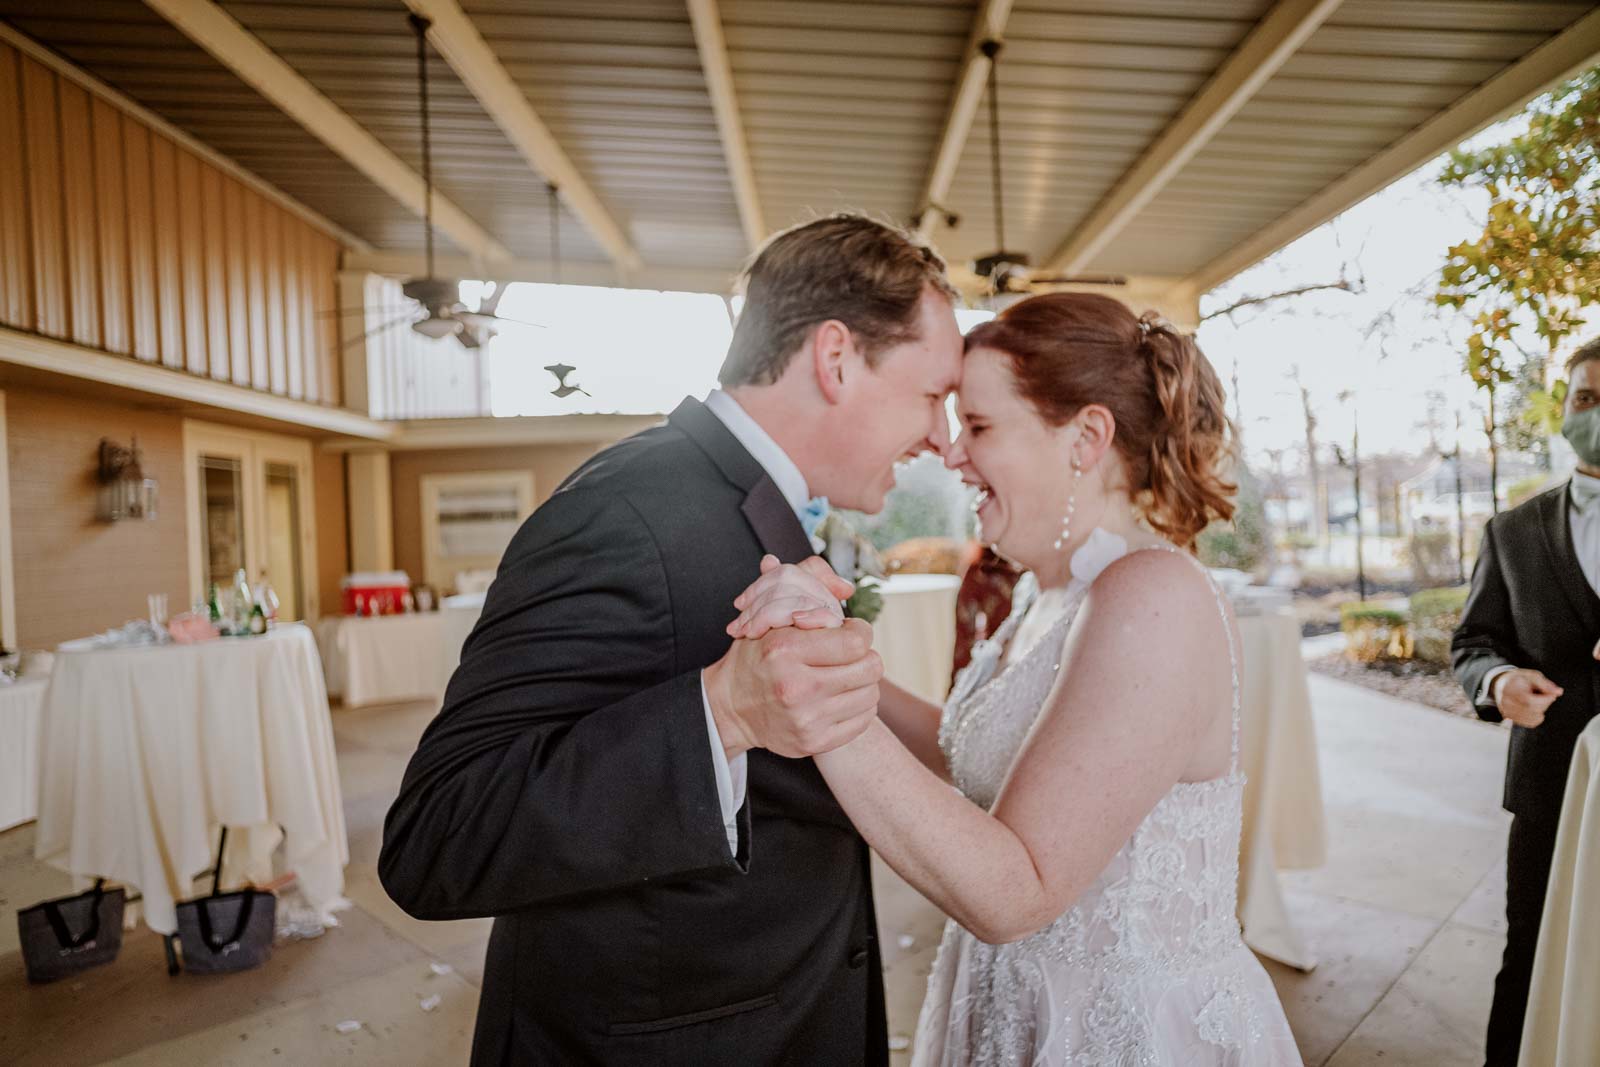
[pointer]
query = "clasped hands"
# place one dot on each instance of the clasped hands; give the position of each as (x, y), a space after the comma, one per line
(800, 679)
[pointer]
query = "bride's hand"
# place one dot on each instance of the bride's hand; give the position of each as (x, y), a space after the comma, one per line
(806, 595)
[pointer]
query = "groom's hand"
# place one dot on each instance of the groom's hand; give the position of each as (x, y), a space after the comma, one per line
(795, 692)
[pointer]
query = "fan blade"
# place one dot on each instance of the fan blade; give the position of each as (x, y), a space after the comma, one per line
(489, 304)
(379, 308)
(1079, 279)
(391, 324)
(480, 319)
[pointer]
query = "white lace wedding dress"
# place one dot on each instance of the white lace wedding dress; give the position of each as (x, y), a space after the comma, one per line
(1148, 966)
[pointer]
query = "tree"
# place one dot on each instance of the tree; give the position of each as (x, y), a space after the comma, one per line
(1536, 265)
(1319, 498)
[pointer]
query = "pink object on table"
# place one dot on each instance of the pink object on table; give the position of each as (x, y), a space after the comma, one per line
(189, 628)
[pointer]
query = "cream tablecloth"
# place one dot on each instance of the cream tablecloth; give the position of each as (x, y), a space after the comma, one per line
(1562, 1027)
(1284, 821)
(387, 659)
(916, 632)
(19, 750)
(146, 752)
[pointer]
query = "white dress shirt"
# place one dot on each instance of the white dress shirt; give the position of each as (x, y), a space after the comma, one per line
(1585, 526)
(732, 775)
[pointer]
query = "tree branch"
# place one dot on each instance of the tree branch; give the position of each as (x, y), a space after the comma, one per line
(1342, 285)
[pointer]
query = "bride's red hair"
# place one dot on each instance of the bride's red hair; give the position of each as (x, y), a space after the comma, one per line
(1070, 350)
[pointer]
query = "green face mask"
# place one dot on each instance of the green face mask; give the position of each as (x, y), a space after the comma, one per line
(1582, 431)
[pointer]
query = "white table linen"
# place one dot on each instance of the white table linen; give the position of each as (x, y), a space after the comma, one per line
(916, 632)
(1562, 1027)
(1284, 819)
(387, 659)
(145, 752)
(20, 702)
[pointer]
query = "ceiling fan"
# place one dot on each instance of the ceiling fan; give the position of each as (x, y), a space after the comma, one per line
(443, 314)
(1005, 272)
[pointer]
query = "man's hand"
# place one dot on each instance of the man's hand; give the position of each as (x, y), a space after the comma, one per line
(795, 692)
(1523, 696)
(805, 595)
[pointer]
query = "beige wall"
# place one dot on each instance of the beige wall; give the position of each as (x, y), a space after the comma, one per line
(550, 465)
(76, 576)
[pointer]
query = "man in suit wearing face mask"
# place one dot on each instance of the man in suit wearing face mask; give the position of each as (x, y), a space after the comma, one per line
(1525, 653)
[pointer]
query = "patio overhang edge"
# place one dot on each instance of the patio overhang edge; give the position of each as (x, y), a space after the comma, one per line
(64, 359)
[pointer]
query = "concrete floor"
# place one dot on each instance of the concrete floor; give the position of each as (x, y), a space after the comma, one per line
(1406, 918)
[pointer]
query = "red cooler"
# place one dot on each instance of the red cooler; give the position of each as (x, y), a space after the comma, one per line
(375, 592)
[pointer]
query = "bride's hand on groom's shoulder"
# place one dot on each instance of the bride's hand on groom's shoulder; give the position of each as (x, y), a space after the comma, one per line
(806, 595)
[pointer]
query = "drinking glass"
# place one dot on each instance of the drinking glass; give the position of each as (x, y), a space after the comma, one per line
(157, 603)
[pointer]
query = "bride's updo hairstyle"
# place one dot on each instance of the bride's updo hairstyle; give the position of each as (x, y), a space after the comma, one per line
(1070, 350)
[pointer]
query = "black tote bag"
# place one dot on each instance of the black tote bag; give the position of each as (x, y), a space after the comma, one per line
(71, 934)
(227, 931)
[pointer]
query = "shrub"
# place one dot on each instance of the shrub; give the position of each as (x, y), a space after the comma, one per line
(1432, 555)
(1435, 614)
(1526, 489)
(1242, 544)
(1373, 631)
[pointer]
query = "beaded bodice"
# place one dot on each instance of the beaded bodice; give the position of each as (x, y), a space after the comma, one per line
(1170, 893)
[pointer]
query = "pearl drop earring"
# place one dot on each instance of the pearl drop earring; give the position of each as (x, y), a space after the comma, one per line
(1072, 504)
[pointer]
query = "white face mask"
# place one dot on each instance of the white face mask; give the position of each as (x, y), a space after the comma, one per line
(1582, 431)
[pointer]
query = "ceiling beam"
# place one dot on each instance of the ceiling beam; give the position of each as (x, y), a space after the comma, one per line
(607, 275)
(236, 48)
(1564, 56)
(475, 63)
(1259, 56)
(713, 48)
(988, 25)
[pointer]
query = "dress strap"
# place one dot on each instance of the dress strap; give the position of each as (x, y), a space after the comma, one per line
(1233, 648)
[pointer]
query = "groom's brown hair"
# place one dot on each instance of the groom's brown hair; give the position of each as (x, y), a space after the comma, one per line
(868, 275)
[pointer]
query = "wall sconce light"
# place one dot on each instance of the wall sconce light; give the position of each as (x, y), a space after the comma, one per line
(125, 493)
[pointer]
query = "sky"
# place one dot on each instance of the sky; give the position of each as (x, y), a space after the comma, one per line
(1386, 344)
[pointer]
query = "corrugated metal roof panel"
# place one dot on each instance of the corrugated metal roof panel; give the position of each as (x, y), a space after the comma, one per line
(841, 103)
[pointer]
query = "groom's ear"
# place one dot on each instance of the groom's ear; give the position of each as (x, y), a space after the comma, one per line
(830, 347)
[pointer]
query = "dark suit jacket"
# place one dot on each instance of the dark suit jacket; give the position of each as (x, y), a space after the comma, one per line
(1531, 606)
(566, 788)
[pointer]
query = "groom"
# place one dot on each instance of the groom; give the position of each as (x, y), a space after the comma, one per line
(624, 789)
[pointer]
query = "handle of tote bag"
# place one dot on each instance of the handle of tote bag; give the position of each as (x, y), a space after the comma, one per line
(58, 922)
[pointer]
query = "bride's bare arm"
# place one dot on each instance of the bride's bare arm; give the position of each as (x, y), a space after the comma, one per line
(915, 724)
(1136, 693)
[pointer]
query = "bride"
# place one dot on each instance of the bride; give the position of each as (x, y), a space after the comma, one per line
(1088, 854)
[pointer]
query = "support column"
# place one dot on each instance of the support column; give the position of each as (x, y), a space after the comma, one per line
(354, 364)
(371, 511)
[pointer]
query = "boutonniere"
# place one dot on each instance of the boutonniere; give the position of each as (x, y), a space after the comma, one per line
(854, 559)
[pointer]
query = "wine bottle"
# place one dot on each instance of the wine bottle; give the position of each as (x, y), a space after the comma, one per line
(258, 620)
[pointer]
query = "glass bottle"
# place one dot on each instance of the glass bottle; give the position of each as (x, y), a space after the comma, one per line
(242, 603)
